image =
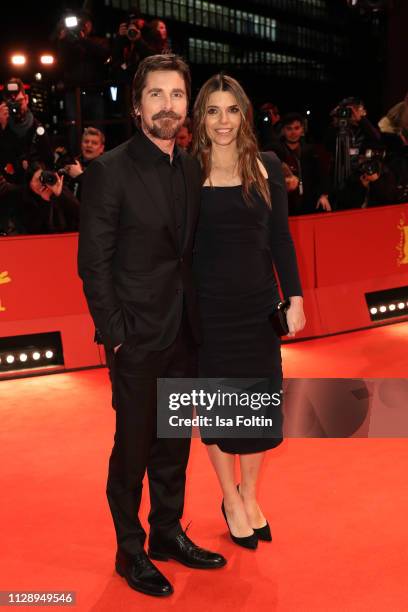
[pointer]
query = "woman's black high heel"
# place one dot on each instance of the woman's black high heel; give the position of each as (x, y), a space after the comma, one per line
(262, 533)
(250, 542)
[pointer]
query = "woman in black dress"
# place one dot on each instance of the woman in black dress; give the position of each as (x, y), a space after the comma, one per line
(243, 230)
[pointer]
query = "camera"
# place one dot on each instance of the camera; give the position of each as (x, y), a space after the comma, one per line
(14, 107)
(47, 177)
(342, 112)
(369, 166)
(132, 31)
(370, 162)
(63, 158)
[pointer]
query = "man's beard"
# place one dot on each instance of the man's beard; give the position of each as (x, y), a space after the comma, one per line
(167, 129)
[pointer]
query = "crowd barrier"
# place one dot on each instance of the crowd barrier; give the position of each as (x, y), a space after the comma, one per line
(342, 256)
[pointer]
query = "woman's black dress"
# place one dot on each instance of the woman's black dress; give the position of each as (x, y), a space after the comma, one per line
(236, 246)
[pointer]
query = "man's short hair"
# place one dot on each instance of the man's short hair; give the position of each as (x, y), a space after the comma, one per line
(291, 118)
(14, 81)
(153, 63)
(92, 131)
(268, 106)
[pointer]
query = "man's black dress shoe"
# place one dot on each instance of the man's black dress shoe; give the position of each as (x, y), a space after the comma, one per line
(250, 541)
(141, 575)
(182, 549)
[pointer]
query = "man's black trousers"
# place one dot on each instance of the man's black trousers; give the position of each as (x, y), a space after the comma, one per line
(137, 448)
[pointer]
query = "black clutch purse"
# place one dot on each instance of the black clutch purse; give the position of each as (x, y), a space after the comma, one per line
(278, 318)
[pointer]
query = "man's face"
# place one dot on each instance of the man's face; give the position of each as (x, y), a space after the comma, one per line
(358, 112)
(293, 132)
(183, 137)
(139, 23)
(22, 98)
(162, 30)
(87, 27)
(163, 107)
(91, 147)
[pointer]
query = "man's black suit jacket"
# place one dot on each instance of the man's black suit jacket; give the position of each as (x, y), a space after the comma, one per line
(135, 272)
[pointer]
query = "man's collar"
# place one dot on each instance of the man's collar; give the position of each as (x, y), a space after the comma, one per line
(152, 152)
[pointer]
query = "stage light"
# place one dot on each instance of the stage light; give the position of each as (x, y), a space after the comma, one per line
(38, 76)
(47, 59)
(18, 59)
(114, 93)
(34, 352)
(387, 303)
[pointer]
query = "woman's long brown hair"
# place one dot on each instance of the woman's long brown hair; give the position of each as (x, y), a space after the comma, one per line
(248, 152)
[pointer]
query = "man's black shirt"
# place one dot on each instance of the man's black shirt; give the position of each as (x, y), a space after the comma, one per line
(171, 177)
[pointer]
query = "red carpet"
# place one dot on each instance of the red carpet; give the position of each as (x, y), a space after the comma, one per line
(337, 508)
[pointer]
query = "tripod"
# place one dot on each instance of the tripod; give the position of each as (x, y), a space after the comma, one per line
(342, 165)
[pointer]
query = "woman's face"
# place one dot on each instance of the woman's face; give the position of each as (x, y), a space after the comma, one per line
(222, 118)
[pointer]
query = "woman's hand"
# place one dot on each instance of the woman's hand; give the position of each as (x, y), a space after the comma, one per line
(295, 315)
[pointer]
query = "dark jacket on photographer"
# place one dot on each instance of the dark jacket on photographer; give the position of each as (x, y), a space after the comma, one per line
(356, 194)
(363, 136)
(308, 168)
(30, 214)
(126, 56)
(83, 60)
(19, 141)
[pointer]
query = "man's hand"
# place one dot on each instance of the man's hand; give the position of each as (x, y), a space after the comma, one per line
(46, 191)
(324, 203)
(292, 182)
(123, 29)
(74, 170)
(57, 188)
(366, 179)
(4, 115)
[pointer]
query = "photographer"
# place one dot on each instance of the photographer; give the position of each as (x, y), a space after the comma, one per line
(156, 36)
(92, 146)
(83, 57)
(22, 137)
(371, 183)
(304, 176)
(269, 126)
(43, 205)
(361, 132)
(129, 47)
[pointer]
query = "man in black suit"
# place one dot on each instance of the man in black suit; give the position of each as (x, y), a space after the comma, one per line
(139, 210)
